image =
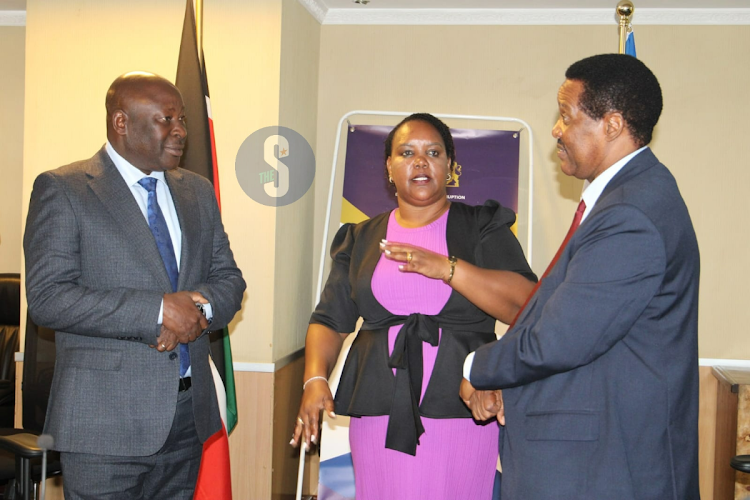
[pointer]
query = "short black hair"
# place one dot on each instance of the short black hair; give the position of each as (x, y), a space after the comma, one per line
(619, 82)
(437, 124)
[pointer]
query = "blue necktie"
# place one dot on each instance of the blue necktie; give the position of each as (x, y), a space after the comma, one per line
(159, 229)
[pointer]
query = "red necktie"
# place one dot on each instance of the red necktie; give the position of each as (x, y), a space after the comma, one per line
(573, 226)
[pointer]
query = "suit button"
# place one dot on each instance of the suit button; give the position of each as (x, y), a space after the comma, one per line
(173, 355)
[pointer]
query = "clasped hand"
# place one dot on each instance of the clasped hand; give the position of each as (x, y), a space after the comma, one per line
(483, 404)
(182, 322)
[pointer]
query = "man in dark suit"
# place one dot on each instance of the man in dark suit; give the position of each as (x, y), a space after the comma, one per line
(127, 259)
(600, 371)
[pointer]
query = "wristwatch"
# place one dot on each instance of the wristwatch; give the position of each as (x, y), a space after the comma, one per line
(202, 309)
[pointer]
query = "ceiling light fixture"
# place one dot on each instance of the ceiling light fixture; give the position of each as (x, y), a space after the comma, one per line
(362, 2)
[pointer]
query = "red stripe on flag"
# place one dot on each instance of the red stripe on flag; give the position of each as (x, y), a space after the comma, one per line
(214, 478)
(215, 163)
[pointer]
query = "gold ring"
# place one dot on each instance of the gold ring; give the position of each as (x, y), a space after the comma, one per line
(163, 346)
(300, 421)
(408, 257)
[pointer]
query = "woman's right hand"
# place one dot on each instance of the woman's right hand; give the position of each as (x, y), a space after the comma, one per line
(316, 397)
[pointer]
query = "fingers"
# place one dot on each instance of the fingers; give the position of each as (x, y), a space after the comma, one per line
(305, 431)
(487, 406)
(483, 404)
(182, 317)
(328, 404)
(167, 340)
(415, 259)
(316, 397)
(489, 401)
(297, 433)
(398, 252)
(501, 411)
(465, 391)
(198, 297)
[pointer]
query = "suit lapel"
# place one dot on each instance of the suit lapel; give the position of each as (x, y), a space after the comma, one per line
(108, 185)
(188, 213)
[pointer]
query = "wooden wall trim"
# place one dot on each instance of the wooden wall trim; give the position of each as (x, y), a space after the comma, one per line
(250, 445)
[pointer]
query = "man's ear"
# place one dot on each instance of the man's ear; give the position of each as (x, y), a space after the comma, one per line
(614, 125)
(119, 122)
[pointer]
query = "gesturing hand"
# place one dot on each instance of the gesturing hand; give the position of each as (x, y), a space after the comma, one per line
(317, 397)
(414, 259)
(483, 404)
(182, 318)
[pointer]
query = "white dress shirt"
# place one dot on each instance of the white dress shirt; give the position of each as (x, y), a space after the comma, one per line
(132, 175)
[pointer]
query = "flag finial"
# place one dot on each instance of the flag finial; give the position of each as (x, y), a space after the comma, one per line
(625, 11)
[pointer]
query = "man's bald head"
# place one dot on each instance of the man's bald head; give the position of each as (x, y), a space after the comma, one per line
(133, 86)
(146, 121)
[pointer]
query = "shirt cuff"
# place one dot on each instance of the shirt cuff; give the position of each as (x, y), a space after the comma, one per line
(209, 312)
(161, 313)
(468, 363)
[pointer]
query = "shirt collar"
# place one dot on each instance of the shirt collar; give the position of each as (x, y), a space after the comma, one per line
(130, 173)
(593, 190)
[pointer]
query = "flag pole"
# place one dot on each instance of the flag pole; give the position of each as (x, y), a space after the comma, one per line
(199, 29)
(625, 11)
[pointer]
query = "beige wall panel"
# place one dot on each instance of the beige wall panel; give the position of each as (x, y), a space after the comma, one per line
(516, 71)
(250, 445)
(12, 56)
(701, 139)
(298, 105)
(242, 46)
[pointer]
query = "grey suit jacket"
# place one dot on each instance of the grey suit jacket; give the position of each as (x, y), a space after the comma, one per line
(95, 276)
(600, 372)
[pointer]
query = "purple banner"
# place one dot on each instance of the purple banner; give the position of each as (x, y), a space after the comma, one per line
(488, 169)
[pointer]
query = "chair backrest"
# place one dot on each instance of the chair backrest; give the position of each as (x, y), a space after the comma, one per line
(10, 316)
(38, 369)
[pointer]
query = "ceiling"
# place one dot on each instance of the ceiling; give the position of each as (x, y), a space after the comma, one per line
(531, 4)
(495, 12)
(526, 12)
(495, 4)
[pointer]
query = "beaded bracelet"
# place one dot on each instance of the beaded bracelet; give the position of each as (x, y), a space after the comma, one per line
(318, 377)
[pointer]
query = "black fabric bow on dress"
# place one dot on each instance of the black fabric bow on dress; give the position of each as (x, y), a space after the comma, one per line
(404, 422)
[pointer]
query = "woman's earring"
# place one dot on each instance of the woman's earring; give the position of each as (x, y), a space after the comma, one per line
(448, 177)
(390, 179)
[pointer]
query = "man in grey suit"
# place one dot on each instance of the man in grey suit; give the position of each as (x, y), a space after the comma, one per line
(600, 371)
(127, 260)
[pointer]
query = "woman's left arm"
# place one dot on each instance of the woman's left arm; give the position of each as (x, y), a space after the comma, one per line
(498, 293)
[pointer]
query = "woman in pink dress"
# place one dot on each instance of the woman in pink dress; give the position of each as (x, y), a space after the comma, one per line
(428, 279)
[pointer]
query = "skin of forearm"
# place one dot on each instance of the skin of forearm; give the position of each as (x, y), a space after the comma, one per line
(322, 347)
(498, 293)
